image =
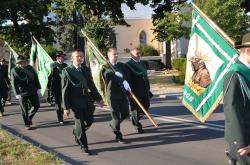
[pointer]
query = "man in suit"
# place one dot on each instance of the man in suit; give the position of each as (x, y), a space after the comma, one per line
(139, 83)
(76, 84)
(55, 86)
(5, 91)
(116, 93)
(4, 86)
(237, 105)
(26, 87)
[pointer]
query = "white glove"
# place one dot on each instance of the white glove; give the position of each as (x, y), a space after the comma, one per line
(126, 86)
(18, 96)
(118, 74)
(38, 91)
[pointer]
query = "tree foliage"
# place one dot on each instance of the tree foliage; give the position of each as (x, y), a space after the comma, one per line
(95, 9)
(228, 14)
(148, 50)
(94, 16)
(174, 23)
(169, 20)
(19, 18)
(101, 33)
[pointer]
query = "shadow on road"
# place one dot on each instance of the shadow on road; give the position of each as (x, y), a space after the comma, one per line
(167, 133)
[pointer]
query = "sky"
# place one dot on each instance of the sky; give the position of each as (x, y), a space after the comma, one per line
(140, 12)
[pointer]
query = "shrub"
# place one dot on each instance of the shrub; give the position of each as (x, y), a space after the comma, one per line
(180, 65)
(148, 50)
(51, 50)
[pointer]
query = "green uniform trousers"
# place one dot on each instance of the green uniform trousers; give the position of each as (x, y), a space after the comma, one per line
(58, 105)
(119, 112)
(27, 111)
(83, 120)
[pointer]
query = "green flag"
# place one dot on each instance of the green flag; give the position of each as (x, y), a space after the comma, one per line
(12, 60)
(97, 62)
(40, 61)
(209, 57)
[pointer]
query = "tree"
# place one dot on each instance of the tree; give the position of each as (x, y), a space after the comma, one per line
(20, 18)
(102, 33)
(228, 14)
(78, 14)
(170, 22)
(173, 24)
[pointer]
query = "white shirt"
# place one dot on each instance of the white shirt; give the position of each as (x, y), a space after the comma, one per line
(135, 60)
(113, 64)
(77, 67)
(244, 62)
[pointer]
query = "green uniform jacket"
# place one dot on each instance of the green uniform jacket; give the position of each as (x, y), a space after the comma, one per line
(56, 75)
(237, 112)
(4, 79)
(25, 81)
(139, 83)
(115, 89)
(78, 88)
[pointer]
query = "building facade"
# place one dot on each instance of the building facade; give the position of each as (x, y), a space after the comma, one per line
(139, 32)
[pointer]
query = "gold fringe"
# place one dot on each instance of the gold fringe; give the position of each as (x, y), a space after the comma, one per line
(210, 111)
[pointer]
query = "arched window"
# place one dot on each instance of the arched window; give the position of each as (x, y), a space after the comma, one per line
(143, 38)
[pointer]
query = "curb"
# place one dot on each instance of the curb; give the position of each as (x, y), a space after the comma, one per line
(64, 159)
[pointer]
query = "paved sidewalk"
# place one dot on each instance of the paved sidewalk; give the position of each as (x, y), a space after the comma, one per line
(170, 91)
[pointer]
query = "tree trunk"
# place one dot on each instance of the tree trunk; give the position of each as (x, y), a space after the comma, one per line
(13, 15)
(168, 55)
(75, 30)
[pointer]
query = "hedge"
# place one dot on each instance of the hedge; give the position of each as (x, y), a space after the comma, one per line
(180, 65)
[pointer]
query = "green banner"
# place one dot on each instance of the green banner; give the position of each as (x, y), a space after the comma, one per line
(40, 61)
(97, 62)
(12, 60)
(208, 59)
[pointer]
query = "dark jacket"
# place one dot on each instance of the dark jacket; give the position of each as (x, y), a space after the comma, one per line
(139, 83)
(76, 86)
(5, 81)
(3, 84)
(25, 81)
(115, 88)
(56, 74)
(237, 112)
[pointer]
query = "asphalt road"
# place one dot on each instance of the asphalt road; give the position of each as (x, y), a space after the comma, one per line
(179, 140)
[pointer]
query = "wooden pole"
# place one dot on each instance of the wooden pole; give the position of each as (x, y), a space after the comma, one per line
(214, 25)
(131, 93)
(143, 109)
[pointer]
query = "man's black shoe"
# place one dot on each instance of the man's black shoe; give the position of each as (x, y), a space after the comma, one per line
(140, 130)
(120, 140)
(85, 150)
